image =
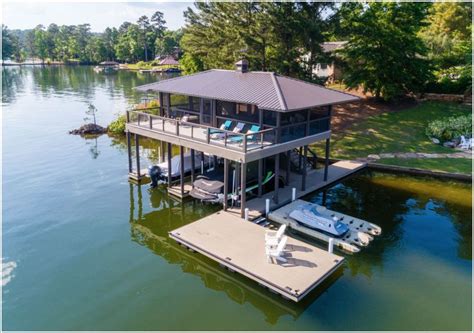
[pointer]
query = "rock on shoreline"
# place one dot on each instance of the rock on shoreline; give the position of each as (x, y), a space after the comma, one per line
(89, 129)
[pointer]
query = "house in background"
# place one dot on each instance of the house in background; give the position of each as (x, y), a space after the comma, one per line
(332, 70)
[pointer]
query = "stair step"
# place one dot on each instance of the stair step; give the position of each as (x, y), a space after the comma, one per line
(260, 220)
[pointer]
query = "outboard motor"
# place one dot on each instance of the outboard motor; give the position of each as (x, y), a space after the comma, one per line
(154, 172)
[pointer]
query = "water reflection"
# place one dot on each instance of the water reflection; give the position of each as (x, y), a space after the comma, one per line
(79, 81)
(151, 230)
(389, 201)
(14, 80)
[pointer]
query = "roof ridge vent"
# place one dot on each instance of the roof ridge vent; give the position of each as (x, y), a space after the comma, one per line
(242, 66)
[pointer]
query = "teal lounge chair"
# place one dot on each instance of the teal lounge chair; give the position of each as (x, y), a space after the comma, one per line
(225, 126)
(240, 138)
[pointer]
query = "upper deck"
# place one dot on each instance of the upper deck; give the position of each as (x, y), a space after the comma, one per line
(245, 146)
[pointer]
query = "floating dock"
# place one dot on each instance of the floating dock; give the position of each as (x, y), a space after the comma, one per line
(240, 246)
(360, 232)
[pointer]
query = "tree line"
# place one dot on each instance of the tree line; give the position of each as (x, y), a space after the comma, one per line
(393, 48)
(131, 42)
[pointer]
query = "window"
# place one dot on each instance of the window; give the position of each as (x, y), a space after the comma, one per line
(246, 108)
(319, 112)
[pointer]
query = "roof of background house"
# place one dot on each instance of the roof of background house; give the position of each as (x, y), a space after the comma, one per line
(332, 46)
(267, 90)
(168, 61)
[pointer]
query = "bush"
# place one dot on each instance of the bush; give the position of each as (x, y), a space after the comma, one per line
(454, 80)
(118, 125)
(450, 128)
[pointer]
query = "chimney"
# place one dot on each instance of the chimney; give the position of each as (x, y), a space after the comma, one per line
(242, 66)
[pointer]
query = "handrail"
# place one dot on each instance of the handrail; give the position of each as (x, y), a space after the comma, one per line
(246, 142)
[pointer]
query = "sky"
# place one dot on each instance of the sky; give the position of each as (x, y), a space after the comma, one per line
(100, 15)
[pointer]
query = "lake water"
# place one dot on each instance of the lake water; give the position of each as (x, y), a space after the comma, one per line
(85, 250)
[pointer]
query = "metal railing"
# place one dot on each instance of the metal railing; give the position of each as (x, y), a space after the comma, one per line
(244, 142)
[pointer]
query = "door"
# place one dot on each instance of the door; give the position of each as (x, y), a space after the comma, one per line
(206, 112)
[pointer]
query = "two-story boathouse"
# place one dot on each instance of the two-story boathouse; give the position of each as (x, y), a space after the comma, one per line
(278, 118)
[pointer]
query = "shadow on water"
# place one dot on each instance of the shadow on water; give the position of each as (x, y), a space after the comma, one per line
(151, 230)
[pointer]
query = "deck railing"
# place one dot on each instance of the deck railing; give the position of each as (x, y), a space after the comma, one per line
(244, 142)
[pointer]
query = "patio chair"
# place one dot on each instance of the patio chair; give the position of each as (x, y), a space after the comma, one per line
(225, 126)
(237, 129)
(240, 138)
(273, 253)
(272, 238)
(465, 144)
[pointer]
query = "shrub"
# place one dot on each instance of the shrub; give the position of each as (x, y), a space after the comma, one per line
(118, 125)
(450, 128)
(454, 80)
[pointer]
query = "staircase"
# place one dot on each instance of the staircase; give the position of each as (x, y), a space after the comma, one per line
(297, 160)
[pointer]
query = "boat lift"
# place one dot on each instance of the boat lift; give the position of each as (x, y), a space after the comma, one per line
(360, 233)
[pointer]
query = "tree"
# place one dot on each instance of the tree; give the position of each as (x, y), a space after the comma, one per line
(144, 25)
(10, 47)
(158, 25)
(129, 47)
(448, 33)
(272, 36)
(91, 111)
(41, 43)
(384, 55)
(168, 44)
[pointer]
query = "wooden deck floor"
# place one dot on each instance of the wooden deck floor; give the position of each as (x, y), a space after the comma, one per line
(239, 245)
(314, 182)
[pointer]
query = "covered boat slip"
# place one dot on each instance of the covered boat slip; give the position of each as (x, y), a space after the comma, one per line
(240, 246)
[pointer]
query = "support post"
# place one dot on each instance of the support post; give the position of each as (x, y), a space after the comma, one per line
(326, 160)
(331, 245)
(243, 184)
(278, 127)
(288, 166)
(129, 150)
(260, 172)
(181, 169)
(169, 164)
(277, 176)
(162, 109)
(226, 183)
(137, 152)
(193, 166)
(202, 163)
(305, 168)
(163, 153)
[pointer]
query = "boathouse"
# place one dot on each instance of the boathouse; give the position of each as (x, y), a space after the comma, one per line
(257, 123)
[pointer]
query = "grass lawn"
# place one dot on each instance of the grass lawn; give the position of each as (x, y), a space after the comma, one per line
(399, 132)
(460, 165)
(142, 65)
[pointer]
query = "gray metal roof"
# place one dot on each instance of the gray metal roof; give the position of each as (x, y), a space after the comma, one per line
(333, 46)
(267, 90)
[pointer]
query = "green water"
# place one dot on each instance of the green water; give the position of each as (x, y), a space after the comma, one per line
(84, 250)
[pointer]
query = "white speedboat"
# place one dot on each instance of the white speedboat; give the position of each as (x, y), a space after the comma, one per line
(312, 217)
